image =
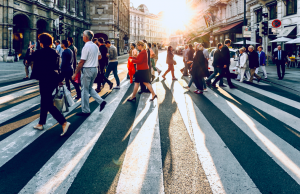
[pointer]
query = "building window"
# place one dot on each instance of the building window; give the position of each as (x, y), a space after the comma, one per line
(291, 7)
(259, 15)
(273, 11)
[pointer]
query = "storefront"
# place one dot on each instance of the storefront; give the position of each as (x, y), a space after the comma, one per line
(232, 32)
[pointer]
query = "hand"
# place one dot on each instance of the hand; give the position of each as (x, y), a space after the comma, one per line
(25, 61)
(225, 66)
(275, 57)
(263, 64)
(73, 77)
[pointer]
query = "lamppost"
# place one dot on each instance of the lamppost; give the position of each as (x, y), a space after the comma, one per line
(9, 52)
(245, 23)
(118, 45)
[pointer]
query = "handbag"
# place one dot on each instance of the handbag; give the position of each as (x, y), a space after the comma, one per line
(77, 77)
(59, 100)
(174, 62)
(68, 96)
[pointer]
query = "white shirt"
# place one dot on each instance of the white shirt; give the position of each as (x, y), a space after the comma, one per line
(90, 53)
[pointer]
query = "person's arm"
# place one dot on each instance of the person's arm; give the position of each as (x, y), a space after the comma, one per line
(78, 68)
(64, 57)
(138, 59)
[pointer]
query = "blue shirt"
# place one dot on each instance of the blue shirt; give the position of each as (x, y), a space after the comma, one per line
(67, 61)
(59, 50)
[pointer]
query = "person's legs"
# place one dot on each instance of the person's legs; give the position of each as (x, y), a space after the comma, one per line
(148, 85)
(283, 69)
(93, 72)
(135, 89)
(278, 69)
(27, 70)
(242, 73)
(252, 72)
(198, 83)
(256, 70)
(220, 71)
(67, 80)
(204, 84)
(191, 81)
(168, 70)
(264, 70)
(115, 71)
(227, 73)
(108, 69)
(77, 88)
(85, 84)
(212, 75)
(172, 70)
(185, 70)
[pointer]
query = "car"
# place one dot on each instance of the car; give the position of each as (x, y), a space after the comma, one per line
(233, 61)
(211, 48)
(179, 50)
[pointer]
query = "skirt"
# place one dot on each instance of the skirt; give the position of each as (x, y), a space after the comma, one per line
(142, 76)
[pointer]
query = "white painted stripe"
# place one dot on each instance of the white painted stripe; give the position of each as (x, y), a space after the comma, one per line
(279, 98)
(57, 175)
(223, 171)
(18, 94)
(285, 155)
(17, 85)
(282, 116)
(142, 167)
(12, 75)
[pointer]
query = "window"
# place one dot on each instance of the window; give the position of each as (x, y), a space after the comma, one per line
(259, 15)
(273, 11)
(291, 7)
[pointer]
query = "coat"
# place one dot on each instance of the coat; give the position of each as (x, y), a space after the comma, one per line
(199, 69)
(218, 59)
(262, 58)
(253, 60)
(226, 56)
(170, 57)
(242, 62)
(283, 57)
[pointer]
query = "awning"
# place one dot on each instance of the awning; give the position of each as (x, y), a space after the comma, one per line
(203, 34)
(247, 42)
(228, 27)
(281, 39)
(286, 31)
(294, 41)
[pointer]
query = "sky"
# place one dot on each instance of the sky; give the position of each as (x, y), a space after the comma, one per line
(175, 12)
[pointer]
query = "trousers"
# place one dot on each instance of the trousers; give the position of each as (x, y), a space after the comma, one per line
(68, 78)
(280, 64)
(102, 79)
(216, 71)
(263, 68)
(252, 73)
(87, 80)
(113, 66)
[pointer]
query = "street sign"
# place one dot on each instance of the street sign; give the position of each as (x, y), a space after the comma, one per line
(246, 31)
(276, 23)
(117, 35)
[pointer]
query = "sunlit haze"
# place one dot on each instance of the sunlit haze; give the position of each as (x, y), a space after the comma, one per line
(176, 13)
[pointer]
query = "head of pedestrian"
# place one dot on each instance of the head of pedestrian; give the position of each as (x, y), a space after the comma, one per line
(64, 44)
(108, 44)
(87, 35)
(101, 41)
(140, 45)
(251, 48)
(241, 50)
(149, 45)
(219, 45)
(200, 47)
(45, 40)
(95, 41)
(170, 49)
(153, 44)
(191, 46)
(227, 42)
(132, 46)
(57, 42)
(70, 41)
(186, 46)
(260, 48)
(279, 47)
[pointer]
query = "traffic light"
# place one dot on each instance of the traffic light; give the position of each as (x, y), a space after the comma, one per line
(260, 26)
(61, 25)
(265, 28)
(257, 28)
(265, 15)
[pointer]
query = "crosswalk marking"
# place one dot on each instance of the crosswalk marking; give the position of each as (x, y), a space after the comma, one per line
(60, 171)
(2, 89)
(18, 94)
(282, 116)
(142, 167)
(254, 82)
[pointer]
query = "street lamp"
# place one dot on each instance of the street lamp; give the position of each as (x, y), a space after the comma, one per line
(118, 45)
(245, 23)
(9, 52)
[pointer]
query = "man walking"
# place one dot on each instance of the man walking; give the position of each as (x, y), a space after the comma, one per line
(74, 50)
(59, 50)
(280, 60)
(262, 61)
(217, 64)
(226, 61)
(253, 64)
(89, 62)
(185, 60)
(113, 62)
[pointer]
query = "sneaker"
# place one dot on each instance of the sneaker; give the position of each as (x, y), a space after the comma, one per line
(205, 90)
(111, 85)
(117, 87)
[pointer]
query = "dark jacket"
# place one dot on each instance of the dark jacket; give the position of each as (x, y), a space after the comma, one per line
(45, 62)
(170, 57)
(218, 59)
(225, 55)
(28, 56)
(67, 61)
(199, 69)
(283, 56)
(191, 55)
(104, 59)
(74, 50)
(253, 60)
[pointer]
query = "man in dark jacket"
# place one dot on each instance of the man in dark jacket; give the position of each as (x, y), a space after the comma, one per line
(74, 50)
(217, 64)
(253, 64)
(281, 60)
(226, 62)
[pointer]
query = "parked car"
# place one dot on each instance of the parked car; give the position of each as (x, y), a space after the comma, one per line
(179, 50)
(211, 48)
(233, 60)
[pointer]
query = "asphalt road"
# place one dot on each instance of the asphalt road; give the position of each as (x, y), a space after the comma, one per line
(245, 140)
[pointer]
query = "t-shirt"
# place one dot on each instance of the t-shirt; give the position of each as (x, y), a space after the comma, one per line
(59, 50)
(90, 53)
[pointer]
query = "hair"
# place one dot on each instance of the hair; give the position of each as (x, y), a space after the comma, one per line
(70, 39)
(58, 41)
(65, 42)
(95, 40)
(260, 47)
(242, 49)
(278, 46)
(107, 42)
(89, 34)
(169, 48)
(191, 46)
(219, 44)
(251, 47)
(101, 40)
(227, 41)
(46, 39)
(141, 43)
(133, 44)
(149, 45)
(154, 44)
(145, 41)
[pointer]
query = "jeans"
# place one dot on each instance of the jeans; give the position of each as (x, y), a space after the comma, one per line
(216, 71)
(102, 79)
(186, 68)
(87, 80)
(113, 66)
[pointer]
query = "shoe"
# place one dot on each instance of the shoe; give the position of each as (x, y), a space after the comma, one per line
(163, 77)
(102, 105)
(233, 87)
(117, 87)
(174, 78)
(26, 78)
(41, 128)
(266, 78)
(77, 97)
(205, 90)
(131, 99)
(258, 80)
(196, 91)
(111, 85)
(83, 114)
(66, 129)
(153, 98)
(279, 78)
(186, 87)
(159, 72)
(98, 90)
(214, 86)
(223, 86)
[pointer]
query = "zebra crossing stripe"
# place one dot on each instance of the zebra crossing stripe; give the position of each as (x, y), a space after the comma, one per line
(5, 88)
(282, 116)
(142, 167)
(285, 155)
(18, 94)
(57, 175)
(271, 95)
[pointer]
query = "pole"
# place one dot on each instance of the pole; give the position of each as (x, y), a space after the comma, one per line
(245, 23)
(118, 45)
(9, 52)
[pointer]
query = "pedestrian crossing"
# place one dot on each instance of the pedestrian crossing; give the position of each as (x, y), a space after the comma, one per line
(246, 140)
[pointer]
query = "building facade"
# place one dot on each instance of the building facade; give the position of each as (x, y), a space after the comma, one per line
(29, 18)
(110, 20)
(144, 25)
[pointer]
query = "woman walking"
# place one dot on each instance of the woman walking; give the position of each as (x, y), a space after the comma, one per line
(28, 60)
(242, 64)
(142, 74)
(170, 61)
(46, 70)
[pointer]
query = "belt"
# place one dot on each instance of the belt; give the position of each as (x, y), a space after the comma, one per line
(89, 67)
